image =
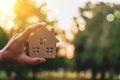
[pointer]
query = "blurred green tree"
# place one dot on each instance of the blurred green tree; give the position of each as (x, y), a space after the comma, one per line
(97, 46)
(3, 38)
(29, 14)
(26, 13)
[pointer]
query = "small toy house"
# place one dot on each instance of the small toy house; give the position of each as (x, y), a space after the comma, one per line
(43, 43)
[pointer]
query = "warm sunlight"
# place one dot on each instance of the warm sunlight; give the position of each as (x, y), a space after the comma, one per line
(6, 6)
(6, 11)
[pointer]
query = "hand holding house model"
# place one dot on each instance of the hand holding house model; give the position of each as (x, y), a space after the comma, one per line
(43, 43)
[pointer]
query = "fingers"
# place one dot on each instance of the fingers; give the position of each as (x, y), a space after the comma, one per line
(34, 60)
(30, 29)
(12, 41)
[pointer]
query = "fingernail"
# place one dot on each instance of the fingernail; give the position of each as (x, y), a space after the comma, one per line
(43, 60)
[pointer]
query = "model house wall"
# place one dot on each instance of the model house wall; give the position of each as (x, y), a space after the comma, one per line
(43, 43)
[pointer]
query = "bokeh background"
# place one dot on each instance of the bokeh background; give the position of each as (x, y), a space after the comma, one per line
(88, 31)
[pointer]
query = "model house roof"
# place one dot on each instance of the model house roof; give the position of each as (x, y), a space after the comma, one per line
(43, 32)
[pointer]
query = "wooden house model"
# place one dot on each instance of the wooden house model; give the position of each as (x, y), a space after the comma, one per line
(43, 43)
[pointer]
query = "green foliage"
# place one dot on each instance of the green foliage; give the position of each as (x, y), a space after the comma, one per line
(101, 38)
(27, 13)
(24, 10)
(114, 43)
(3, 38)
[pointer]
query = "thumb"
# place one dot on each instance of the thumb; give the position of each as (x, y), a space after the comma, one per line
(35, 60)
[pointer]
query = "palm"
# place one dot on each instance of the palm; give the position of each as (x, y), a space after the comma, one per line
(15, 50)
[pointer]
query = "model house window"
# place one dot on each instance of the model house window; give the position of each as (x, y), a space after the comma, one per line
(42, 41)
(49, 50)
(35, 49)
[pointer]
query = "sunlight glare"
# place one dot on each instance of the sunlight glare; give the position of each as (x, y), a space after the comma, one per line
(9, 24)
(7, 14)
(6, 6)
(82, 27)
(69, 36)
(70, 51)
(110, 17)
(33, 19)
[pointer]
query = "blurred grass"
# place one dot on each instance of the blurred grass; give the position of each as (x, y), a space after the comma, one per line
(56, 75)
(57, 79)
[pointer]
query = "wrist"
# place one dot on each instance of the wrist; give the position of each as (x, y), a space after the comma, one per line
(2, 61)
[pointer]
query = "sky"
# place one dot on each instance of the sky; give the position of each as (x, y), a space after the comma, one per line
(64, 10)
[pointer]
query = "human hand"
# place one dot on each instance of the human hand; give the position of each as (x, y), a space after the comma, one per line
(15, 50)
